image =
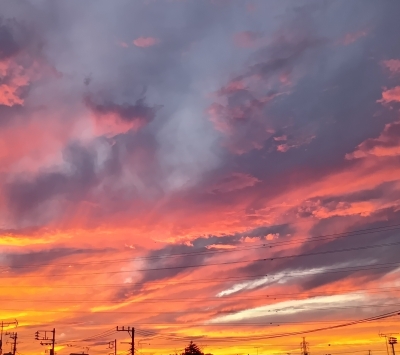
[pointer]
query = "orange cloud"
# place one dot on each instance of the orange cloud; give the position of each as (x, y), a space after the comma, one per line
(220, 246)
(146, 42)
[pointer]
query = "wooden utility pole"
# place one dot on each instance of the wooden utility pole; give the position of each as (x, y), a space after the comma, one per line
(5, 324)
(50, 341)
(387, 336)
(392, 341)
(113, 345)
(131, 332)
(304, 347)
(14, 337)
(1, 337)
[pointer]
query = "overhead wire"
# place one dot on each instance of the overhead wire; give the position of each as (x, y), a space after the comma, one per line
(365, 267)
(198, 311)
(269, 296)
(264, 245)
(221, 263)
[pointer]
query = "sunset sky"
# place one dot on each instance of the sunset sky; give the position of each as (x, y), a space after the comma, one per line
(215, 170)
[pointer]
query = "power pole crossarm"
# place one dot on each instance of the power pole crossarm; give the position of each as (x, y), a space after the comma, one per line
(131, 332)
(15, 343)
(50, 341)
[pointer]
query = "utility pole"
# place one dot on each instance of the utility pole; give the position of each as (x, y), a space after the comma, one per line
(113, 345)
(50, 341)
(392, 341)
(304, 347)
(5, 324)
(14, 336)
(131, 332)
(386, 336)
(1, 338)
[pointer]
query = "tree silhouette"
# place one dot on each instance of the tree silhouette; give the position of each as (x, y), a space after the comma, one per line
(192, 349)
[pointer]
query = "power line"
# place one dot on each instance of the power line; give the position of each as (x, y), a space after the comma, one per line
(265, 245)
(197, 311)
(279, 335)
(371, 319)
(208, 299)
(98, 336)
(223, 263)
(366, 267)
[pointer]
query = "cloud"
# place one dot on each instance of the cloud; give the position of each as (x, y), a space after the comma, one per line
(21, 61)
(220, 246)
(123, 44)
(291, 307)
(9, 46)
(236, 181)
(390, 95)
(146, 42)
(393, 65)
(21, 263)
(51, 189)
(247, 39)
(12, 88)
(386, 145)
(243, 111)
(350, 38)
(112, 118)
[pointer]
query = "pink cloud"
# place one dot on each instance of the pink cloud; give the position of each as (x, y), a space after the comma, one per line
(236, 181)
(350, 38)
(287, 143)
(111, 118)
(281, 138)
(244, 123)
(123, 44)
(232, 86)
(393, 65)
(146, 42)
(387, 144)
(390, 95)
(15, 77)
(249, 239)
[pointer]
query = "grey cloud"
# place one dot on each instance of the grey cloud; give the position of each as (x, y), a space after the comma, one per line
(8, 43)
(351, 258)
(26, 195)
(138, 111)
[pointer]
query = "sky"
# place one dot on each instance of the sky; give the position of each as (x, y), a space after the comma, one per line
(224, 171)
